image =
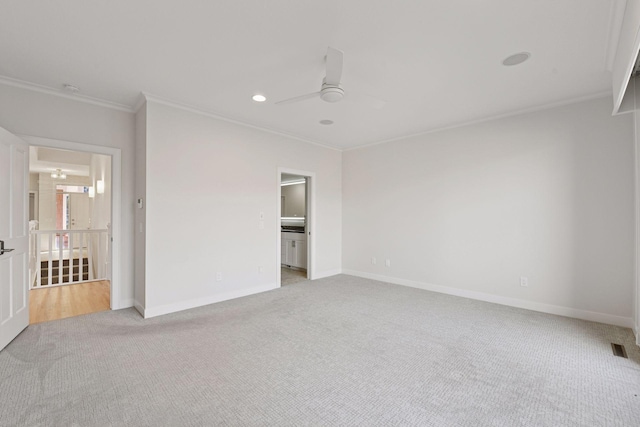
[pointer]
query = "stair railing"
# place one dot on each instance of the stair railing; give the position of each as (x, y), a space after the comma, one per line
(61, 251)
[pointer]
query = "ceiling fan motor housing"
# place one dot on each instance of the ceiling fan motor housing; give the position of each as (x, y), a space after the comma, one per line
(330, 93)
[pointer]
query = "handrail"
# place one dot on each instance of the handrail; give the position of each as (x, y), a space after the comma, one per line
(88, 230)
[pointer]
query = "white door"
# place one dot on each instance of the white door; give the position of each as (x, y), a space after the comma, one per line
(14, 265)
(79, 211)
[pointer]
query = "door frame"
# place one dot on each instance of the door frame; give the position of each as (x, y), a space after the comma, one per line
(310, 221)
(116, 198)
(36, 202)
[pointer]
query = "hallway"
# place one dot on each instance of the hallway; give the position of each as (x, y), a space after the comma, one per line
(60, 302)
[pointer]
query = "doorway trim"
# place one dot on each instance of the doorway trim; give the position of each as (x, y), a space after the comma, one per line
(116, 198)
(36, 203)
(310, 221)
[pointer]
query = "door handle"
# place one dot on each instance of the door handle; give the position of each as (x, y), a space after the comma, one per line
(2, 249)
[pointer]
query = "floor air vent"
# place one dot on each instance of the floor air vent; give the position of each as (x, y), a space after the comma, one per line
(618, 350)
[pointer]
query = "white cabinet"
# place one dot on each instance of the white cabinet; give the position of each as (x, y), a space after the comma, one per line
(294, 250)
(300, 258)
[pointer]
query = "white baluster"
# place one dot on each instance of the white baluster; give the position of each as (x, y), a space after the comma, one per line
(38, 261)
(61, 258)
(100, 257)
(90, 256)
(71, 257)
(50, 271)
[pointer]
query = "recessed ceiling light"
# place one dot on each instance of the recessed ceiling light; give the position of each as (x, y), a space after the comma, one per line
(71, 88)
(516, 58)
(326, 122)
(259, 98)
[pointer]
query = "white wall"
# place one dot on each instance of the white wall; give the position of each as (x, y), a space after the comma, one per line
(207, 181)
(101, 203)
(141, 185)
(546, 195)
(33, 113)
(100, 206)
(33, 181)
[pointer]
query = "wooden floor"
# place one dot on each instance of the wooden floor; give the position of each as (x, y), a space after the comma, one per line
(59, 302)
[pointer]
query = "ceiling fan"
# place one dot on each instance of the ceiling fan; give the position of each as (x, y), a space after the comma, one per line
(331, 89)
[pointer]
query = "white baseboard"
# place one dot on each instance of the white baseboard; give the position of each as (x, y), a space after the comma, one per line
(593, 316)
(327, 273)
(148, 312)
(139, 307)
(127, 303)
(636, 331)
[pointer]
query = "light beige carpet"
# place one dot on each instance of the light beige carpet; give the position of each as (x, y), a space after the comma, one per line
(339, 351)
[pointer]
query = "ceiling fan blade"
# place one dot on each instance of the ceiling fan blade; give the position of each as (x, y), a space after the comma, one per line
(334, 66)
(298, 98)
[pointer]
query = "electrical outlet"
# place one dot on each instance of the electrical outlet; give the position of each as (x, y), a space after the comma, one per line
(261, 225)
(524, 281)
(388, 263)
(373, 260)
(218, 276)
(260, 269)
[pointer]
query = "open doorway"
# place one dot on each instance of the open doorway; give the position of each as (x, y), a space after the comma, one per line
(295, 221)
(70, 233)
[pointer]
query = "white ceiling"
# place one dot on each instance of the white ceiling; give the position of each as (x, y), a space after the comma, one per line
(47, 160)
(436, 64)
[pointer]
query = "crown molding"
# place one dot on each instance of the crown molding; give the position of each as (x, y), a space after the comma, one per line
(196, 110)
(9, 81)
(520, 112)
(142, 99)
